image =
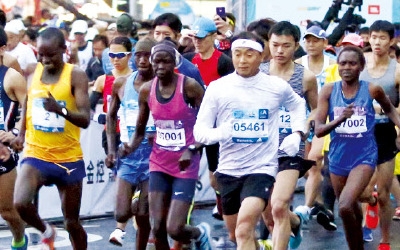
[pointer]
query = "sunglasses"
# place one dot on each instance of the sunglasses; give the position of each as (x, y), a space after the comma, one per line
(118, 55)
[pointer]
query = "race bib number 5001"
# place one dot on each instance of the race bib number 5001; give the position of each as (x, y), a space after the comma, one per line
(170, 134)
(46, 121)
(250, 126)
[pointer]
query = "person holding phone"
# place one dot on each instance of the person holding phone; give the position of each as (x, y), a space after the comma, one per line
(225, 23)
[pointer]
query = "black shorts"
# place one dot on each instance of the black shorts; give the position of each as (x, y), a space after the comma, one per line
(296, 163)
(385, 136)
(234, 190)
(10, 164)
(212, 153)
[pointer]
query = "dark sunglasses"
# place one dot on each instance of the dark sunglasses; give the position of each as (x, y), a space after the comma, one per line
(118, 55)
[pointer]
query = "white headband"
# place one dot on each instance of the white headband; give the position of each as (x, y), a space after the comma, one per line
(248, 44)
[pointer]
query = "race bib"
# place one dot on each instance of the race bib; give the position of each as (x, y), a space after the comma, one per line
(171, 134)
(44, 120)
(250, 126)
(354, 125)
(284, 121)
(131, 116)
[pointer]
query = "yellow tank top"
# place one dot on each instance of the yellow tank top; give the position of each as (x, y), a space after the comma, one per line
(49, 136)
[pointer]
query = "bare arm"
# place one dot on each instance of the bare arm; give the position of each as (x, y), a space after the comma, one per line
(310, 89)
(79, 89)
(194, 92)
(379, 95)
(15, 87)
(321, 128)
(12, 62)
(397, 82)
(112, 117)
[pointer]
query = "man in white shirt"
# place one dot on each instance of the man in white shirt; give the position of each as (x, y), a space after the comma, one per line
(244, 105)
(25, 56)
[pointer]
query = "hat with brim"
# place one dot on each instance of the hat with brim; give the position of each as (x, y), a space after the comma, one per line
(203, 26)
(315, 31)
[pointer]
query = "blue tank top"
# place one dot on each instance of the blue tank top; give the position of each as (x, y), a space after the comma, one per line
(8, 107)
(354, 140)
(129, 111)
(296, 82)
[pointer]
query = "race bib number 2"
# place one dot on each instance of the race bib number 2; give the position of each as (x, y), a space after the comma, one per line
(46, 121)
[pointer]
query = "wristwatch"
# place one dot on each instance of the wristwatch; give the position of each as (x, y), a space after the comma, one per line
(15, 131)
(64, 111)
(228, 34)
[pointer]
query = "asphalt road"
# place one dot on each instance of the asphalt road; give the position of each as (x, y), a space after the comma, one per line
(315, 237)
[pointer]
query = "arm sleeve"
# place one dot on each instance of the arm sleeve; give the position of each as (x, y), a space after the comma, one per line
(204, 131)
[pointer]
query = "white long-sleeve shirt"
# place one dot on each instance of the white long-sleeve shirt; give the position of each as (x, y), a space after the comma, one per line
(251, 105)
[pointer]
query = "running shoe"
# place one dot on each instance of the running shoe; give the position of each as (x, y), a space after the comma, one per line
(224, 243)
(117, 237)
(24, 247)
(396, 215)
(326, 219)
(265, 244)
(372, 216)
(204, 240)
(367, 234)
(305, 213)
(384, 246)
(48, 243)
(216, 214)
(297, 234)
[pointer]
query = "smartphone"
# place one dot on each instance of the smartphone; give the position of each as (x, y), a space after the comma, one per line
(221, 12)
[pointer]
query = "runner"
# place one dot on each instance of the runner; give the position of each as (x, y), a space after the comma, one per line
(56, 108)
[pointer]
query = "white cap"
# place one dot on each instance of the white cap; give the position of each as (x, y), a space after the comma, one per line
(79, 26)
(91, 33)
(14, 26)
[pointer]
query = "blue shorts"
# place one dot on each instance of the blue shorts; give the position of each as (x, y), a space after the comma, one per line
(58, 173)
(339, 170)
(134, 168)
(179, 188)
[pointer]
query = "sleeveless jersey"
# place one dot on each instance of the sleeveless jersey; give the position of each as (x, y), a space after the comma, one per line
(129, 111)
(296, 82)
(321, 76)
(354, 138)
(8, 107)
(49, 136)
(387, 82)
(107, 94)
(208, 68)
(174, 121)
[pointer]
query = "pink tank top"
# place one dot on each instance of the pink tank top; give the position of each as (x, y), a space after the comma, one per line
(174, 121)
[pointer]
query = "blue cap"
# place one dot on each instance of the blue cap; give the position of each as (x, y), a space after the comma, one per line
(316, 31)
(203, 26)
